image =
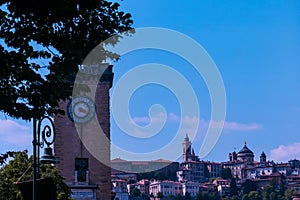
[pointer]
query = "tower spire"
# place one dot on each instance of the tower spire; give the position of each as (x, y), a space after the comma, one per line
(187, 137)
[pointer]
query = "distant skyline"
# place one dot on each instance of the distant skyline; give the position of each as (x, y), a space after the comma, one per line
(254, 44)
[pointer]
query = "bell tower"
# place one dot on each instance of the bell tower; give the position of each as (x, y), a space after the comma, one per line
(263, 157)
(187, 149)
(88, 176)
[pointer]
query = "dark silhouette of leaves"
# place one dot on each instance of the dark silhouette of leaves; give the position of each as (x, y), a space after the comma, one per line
(60, 32)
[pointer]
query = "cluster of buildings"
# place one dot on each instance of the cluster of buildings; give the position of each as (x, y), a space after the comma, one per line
(90, 173)
(194, 175)
(152, 188)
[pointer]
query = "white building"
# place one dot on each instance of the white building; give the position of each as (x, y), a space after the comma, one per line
(167, 188)
(223, 186)
(214, 169)
(120, 188)
(190, 187)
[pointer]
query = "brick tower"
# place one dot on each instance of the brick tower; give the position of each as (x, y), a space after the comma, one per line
(83, 172)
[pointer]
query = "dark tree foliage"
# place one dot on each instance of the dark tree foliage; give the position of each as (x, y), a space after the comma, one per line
(288, 194)
(248, 186)
(157, 175)
(20, 169)
(62, 33)
(255, 195)
(226, 173)
(233, 187)
(160, 176)
(282, 184)
(5, 156)
(135, 192)
(187, 196)
(160, 195)
(206, 196)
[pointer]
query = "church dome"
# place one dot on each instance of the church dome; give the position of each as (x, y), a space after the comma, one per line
(245, 154)
(245, 150)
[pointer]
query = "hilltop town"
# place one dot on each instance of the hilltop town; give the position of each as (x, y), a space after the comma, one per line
(240, 177)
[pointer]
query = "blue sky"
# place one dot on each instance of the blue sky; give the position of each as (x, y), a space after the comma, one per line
(255, 45)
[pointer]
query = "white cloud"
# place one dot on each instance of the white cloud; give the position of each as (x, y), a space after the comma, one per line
(193, 125)
(14, 134)
(235, 126)
(284, 153)
(189, 124)
(144, 126)
(141, 120)
(227, 125)
(146, 120)
(174, 117)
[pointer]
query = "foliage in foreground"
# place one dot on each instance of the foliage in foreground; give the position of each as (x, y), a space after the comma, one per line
(52, 37)
(19, 169)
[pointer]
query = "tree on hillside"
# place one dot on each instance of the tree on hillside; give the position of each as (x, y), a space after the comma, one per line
(288, 194)
(136, 192)
(272, 192)
(206, 196)
(226, 173)
(160, 176)
(254, 195)
(233, 187)
(56, 35)
(187, 196)
(160, 195)
(282, 184)
(19, 169)
(245, 197)
(248, 186)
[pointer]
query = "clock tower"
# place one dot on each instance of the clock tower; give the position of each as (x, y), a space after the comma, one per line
(84, 159)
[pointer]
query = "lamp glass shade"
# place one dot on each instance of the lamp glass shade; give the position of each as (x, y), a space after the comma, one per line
(48, 157)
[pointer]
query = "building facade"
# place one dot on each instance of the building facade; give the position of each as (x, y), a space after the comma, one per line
(119, 165)
(120, 189)
(190, 187)
(191, 168)
(87, 177)
(213, 169)
(238, 162)
(167, 188)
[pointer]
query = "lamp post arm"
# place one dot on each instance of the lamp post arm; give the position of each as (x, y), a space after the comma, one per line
(35, 144)
(47, 132)
(48, 137)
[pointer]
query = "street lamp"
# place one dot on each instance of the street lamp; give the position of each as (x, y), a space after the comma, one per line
(48, 136)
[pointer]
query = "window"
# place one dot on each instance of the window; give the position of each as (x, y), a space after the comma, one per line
(81, 166)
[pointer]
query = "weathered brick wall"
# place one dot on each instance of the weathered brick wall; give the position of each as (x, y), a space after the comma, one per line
(68, 145)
